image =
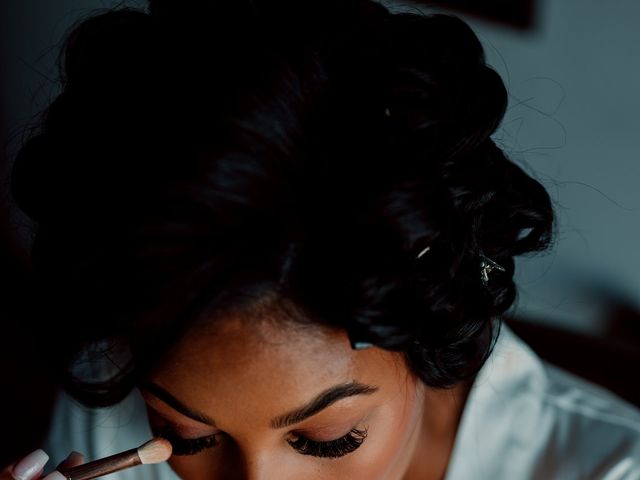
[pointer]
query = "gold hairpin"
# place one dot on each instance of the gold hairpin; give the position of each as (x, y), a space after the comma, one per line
(486, 267)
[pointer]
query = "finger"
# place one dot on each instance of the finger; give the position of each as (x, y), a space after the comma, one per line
(30, 467)
(74, 459)
(55, 475)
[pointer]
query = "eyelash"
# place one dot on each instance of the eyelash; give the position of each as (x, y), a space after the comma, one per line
(330, 449)
(188, 446)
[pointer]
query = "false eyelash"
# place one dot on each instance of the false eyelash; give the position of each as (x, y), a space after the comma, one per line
(332, 449)
(188, 446)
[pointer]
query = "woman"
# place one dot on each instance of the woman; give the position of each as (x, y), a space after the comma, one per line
(280, 235)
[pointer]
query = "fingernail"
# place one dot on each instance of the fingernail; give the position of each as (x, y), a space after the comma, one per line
(30, 465)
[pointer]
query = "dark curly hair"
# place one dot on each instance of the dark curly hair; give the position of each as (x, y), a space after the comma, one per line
(205, 156)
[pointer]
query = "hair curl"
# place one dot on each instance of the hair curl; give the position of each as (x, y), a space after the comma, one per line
(204, 155)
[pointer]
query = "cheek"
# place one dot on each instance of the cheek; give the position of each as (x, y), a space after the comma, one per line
(205, 465)
(223, 462)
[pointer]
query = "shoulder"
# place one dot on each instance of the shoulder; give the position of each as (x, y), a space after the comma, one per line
(526, 418)
(99, 432)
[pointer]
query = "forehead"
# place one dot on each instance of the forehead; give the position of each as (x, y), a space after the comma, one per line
(259, 368)
(244, 347)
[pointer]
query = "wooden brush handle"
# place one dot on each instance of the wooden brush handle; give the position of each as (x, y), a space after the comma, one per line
(104, 466)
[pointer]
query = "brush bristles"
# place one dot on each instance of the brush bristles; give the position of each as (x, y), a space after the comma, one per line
(155, 451)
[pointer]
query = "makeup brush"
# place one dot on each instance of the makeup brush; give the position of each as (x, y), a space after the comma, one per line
(154, 451)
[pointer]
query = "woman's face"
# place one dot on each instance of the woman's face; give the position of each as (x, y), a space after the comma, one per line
(267, 400)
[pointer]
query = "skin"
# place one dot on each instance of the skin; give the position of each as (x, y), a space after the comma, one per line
(235, 376)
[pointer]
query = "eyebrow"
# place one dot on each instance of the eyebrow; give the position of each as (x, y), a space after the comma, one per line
(176, 404)
(320, 402)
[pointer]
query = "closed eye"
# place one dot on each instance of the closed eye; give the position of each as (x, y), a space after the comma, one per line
(188, 446)
(332, 448)
(305, 446)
